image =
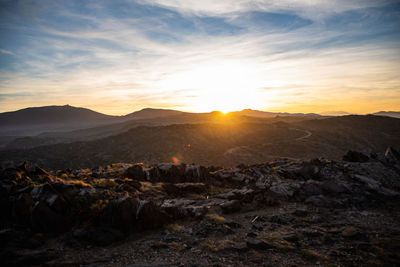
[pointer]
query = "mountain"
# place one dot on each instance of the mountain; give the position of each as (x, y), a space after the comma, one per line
(394, 114)
(226, 144)
(148, 113)
(35, 120)
(265, 114)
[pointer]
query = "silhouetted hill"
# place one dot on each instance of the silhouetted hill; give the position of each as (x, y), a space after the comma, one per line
(265, 114)
(31, 121)
(148, 113)
(394, 114)
(220, 143)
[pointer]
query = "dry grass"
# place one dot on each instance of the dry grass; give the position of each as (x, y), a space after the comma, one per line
(73, 182)
(217, 245)
(147, 186)
(311, 255)
(215, 218)
(104, 183)
(174, 227)
(275, 240)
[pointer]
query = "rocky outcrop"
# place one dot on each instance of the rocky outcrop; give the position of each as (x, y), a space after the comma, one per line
(103, 205)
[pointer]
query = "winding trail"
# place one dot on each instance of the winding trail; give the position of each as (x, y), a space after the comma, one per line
(307, 134)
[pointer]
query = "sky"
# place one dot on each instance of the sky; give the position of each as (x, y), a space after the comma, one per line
(119, 56)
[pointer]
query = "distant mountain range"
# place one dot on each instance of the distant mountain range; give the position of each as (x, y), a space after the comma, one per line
(54, 124)
(223, 144)
(393, 114)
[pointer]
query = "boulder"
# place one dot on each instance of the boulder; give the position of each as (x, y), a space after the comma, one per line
(121, 213)
(355, 156)
(150, 216)
(136, 172)
(185, 188)
(244, 194)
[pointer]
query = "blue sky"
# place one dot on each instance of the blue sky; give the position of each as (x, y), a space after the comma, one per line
(120, 56)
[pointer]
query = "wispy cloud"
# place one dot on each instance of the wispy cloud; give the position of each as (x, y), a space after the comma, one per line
(163, 53)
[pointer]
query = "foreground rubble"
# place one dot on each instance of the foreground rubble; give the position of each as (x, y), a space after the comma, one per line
(287, 212)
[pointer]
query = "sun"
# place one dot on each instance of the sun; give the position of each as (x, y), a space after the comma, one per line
(224, 86)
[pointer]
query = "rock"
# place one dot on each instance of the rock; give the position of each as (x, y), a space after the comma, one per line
(373, 184)
(258, 244)
(121, 213)
(231, 206)
(24, 167)
(136, 172)
(319, 200)
(350, 232)
(291, 237)
(240, 248)
(185, 188)
(355, 156)
(177, 208)
(285, 190)
(244, 194)
(392, 155)
(150, 216)
(333, 188)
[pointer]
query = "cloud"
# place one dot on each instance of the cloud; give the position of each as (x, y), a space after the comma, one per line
(7, 52)
(314, 9)
(121, 63)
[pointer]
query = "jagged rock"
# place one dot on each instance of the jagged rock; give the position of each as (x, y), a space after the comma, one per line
(244, 194)
(176, 207)
(392, 155)
(185, 188)
(355, 156)
(285, 190)
(150, 216)
(121, 213)
(136, 172)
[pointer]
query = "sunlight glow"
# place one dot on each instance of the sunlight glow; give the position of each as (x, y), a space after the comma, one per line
(224, 86)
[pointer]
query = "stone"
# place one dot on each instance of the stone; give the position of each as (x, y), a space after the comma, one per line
(150, 216)
(121, 213)
(258, 244)
(291, 237)
(350, 232)
(355, 156)
(136, 172)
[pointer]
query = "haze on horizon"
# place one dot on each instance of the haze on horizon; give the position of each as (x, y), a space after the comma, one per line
(119, 56)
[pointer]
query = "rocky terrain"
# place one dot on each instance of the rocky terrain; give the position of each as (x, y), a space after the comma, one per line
(281, 213)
